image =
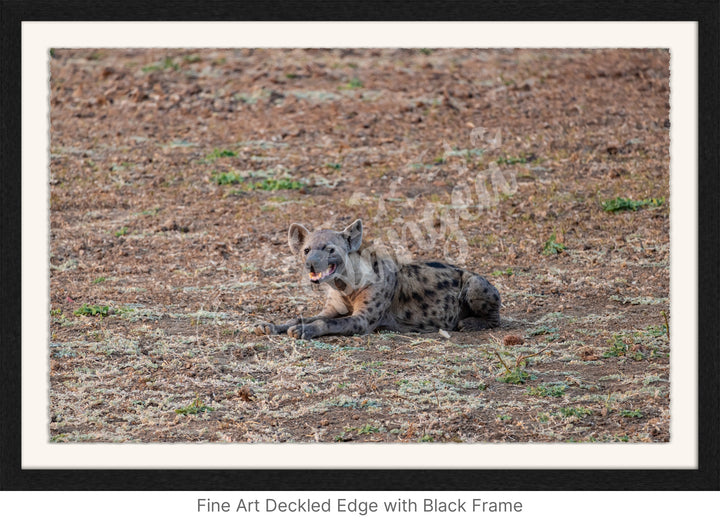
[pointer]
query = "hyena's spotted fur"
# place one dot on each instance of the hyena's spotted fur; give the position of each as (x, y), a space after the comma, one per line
(367, 289)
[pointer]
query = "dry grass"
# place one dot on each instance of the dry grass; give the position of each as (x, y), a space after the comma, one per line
(141, 224)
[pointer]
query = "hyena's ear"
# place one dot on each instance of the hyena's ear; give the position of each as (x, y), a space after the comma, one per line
(297, 235)
(353, 235)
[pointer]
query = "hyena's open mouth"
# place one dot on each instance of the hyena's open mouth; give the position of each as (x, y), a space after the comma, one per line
(317, 277)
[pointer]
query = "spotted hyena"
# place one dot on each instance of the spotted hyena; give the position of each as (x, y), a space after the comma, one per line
(368, 289)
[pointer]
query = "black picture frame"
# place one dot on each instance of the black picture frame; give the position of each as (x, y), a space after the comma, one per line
(706, 477)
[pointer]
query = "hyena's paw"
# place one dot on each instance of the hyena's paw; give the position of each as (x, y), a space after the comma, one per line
(265, 328)
(303, 331)
(475, 324)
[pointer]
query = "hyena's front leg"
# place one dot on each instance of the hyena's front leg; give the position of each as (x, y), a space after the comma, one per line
(353, 325)
(267, 328)
(368, 309)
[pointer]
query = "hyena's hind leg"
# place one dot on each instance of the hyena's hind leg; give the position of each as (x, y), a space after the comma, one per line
(479, 304)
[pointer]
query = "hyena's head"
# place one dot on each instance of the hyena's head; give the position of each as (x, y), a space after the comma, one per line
(324, 252)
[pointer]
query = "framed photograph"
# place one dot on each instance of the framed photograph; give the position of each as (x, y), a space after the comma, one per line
(293, 250)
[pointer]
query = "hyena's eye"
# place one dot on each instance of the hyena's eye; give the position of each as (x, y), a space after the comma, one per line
(307, 250)
(331, 250)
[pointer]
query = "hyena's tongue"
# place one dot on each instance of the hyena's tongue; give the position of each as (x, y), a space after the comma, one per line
(327, 272)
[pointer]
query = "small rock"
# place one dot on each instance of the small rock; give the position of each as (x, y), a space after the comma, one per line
(513, 340)
(246, 394)
(588, 355)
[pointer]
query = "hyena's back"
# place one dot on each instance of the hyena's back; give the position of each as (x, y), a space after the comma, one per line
(437, 295)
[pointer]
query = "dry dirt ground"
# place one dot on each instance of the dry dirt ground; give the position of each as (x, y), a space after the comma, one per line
(175, 174)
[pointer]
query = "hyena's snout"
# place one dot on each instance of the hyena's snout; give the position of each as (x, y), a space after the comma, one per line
(320, 267)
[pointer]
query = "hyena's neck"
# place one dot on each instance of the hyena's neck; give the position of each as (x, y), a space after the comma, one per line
(356, 276)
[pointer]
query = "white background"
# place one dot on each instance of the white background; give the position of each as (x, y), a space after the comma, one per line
(179, 509)
(680, 38)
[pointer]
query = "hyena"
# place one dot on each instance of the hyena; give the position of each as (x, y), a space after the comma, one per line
(368, 289)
